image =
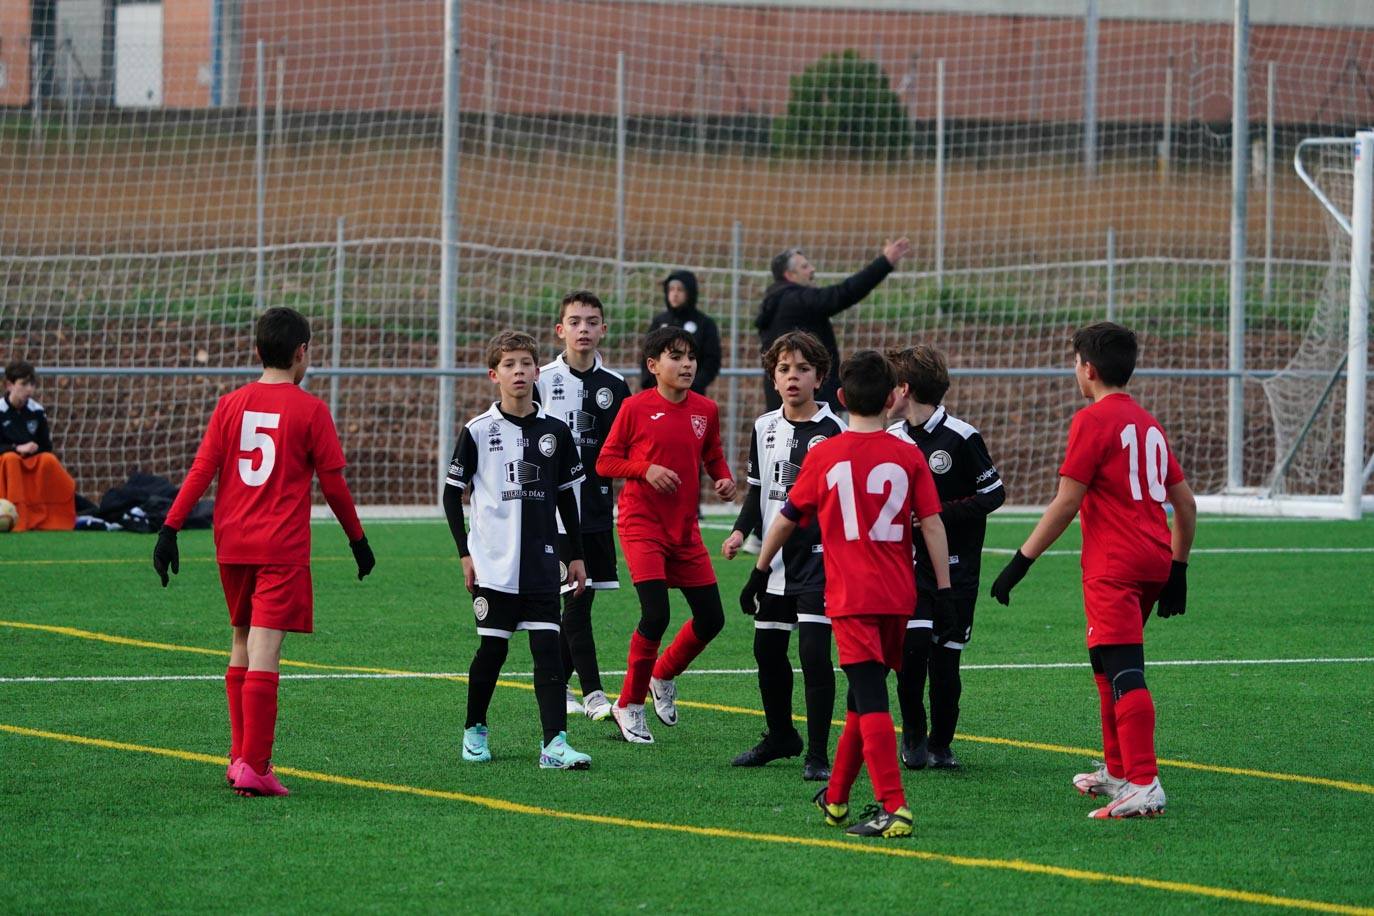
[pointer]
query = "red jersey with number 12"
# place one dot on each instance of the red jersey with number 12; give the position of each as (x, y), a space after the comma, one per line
(865, 488)
(1118, 451)
(266, 442)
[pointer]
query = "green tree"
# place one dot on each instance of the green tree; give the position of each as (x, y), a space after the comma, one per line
(842, 104)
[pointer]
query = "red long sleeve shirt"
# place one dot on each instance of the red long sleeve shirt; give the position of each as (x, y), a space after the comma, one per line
(681, 437)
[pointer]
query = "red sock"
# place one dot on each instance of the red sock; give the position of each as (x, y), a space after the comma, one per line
(849, 756)
(233, 685)
(686, 645)
(259, 718)
(639, 666)
(1135, 722)
(1111, 745)
(880, 754)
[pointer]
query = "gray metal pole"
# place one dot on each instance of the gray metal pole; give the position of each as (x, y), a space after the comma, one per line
(336, 338)
(732, 408)
(260, 177)
(620, 179)
(36, 95)
(1269, 186)
(1240, 147)
(1111, 273)
(1167, 140)
(489, 96)
(448, 248)
(939, 174)
(279, 110)
(700, 103)
(1090, 90)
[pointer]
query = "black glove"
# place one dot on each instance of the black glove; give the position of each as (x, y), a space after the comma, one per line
(946, 616)
(1173, 599)
(753, 591)
(165, 553)
(362, 555)
(1013, 573)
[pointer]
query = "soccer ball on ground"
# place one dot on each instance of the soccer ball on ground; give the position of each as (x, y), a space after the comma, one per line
(9, 515)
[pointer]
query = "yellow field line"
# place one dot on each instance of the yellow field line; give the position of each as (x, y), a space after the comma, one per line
(1344, 785)
(852, 846)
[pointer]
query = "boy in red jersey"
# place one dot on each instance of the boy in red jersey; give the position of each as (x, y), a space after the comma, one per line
(865, 486)
(265, 441)
(658, 443)
(1117, 474)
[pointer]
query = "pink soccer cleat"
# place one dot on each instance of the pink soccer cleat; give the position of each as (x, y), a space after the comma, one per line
(231, 772)
(249, 782)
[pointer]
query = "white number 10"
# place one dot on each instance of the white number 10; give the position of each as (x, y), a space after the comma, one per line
(1156, 458)
(250, 440)
(885, 476)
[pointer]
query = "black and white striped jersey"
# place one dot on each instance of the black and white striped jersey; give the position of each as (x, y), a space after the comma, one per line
(513, 468)
(969, 488)
(776, 450)
(587, 402)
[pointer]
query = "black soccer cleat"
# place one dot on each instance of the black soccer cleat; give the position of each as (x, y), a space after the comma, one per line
(943, 759)
(768, 750)
(816, 768)
(914, 757)
(875, 821)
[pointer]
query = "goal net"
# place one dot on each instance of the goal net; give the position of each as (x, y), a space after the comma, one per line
(172, 169)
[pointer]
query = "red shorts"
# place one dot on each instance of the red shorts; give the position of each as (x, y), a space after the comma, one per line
(870, 638)
(684, 565)
(1117, 609)
(275, 597)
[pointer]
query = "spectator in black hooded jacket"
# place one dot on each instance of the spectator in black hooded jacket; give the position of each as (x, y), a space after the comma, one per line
(795, 303)
(680, 295)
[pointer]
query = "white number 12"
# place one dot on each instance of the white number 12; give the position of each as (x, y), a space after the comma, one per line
(1156, 458)
(885, 476)
(251, 440)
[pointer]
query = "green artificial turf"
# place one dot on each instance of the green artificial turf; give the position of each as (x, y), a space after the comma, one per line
(100, 828)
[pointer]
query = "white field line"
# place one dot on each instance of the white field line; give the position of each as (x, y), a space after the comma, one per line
(425, 675)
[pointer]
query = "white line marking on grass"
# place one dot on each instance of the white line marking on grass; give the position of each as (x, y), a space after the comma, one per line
(1214, 551)
(443, 675)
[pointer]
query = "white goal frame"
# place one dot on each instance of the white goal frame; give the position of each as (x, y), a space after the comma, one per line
(1350, 503)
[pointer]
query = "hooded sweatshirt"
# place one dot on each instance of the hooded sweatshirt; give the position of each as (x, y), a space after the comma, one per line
(694, 322)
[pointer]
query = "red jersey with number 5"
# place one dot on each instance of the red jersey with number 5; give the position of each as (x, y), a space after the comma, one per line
(266, 442)
(1118, 451)
(865, 488)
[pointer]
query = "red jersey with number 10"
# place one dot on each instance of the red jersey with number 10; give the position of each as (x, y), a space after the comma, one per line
(266, 442)
(865, 488)
(1118, 451)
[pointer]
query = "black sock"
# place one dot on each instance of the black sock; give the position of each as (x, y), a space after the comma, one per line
(579, 646)
(775, 680)
(945, 688)
(911, 685)
(818, 676)
(548, 683)
(482, 674)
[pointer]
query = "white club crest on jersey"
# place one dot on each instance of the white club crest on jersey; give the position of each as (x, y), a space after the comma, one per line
(479, 608)
(604, 398)
(690, 327)
(547, 445)
(940, 462)
(699, 425)
(815, 441)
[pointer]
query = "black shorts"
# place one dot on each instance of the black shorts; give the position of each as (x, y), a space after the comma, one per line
(921, 618)
(501, 613)
(784, 612)
(598, 554)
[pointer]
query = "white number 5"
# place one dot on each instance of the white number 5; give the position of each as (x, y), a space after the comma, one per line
(250, 440)
(1156, 457)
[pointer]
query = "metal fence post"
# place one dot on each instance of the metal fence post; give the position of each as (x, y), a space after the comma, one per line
(732, 408)
(448, 248)
(336, 339)
(260, 177)
(1240, 147)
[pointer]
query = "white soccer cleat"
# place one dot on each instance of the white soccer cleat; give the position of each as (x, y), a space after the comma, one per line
(595, 706)
(665, 700)
(1134, 801)
(633, 727)
(574, 707)
(1099, 782)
